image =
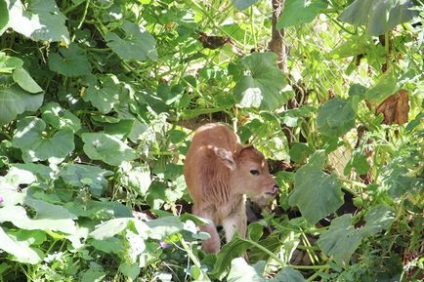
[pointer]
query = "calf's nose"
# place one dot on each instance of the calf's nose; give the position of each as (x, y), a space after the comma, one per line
(274, 190)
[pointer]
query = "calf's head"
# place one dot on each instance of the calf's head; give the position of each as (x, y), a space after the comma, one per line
(249, 173)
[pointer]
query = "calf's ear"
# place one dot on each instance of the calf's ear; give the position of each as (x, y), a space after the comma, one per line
(226, 157)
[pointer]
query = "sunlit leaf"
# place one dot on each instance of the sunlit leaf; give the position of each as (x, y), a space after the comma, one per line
(243, 4)
(300, 12)
(8, 63)
(107, 148)
(341, 240)
(241, 271)
(20, 250)
(60, 118)
(14, 100)
(164, 227)
(336, 117)
(316, 193)
(33, 140)
(105, 94)
(288, 274)
(4, 16)
(379, 17)
(236, 248)
(49, 217)
(25, 81)
(39, 19)
(135, 45)
(93, 275)
(80, 175)
(71, 61)
(263, 83)
(110, 228)
(377, 219)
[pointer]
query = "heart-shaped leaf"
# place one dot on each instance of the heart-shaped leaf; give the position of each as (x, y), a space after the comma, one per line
(243, 4)
(300, 11)
(336, 117)
(25, 81)
(263, 83)
(19, 250)
(71, 61)
(316, 193)
(107, 148)
(135, 45)
(37, 144)
(105, 94)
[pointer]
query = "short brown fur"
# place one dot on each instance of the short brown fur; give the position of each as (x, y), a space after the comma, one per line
(219, 171)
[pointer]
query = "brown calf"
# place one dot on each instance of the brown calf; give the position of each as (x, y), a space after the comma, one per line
(219, 172)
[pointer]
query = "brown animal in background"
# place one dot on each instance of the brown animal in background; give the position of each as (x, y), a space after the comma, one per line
(219, 172)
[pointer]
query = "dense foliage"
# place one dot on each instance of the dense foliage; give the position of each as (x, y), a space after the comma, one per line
(98, 99)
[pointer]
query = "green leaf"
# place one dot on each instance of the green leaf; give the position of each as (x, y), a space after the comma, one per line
(55, 115)
(31, 138)
(243, 4)
(79, 175)
(164, 227)
(135, 45)
(71, 61)
(4, 16)
(378, 218)
(385, 86)
(263, 83)
(138, 179)
(25, 81)
(104, 95)
(299, 152)
(316, 193)
(288, 274)
(41, 20)
(379, 17)
(107, 148)
(19, 250)
(109, 245)
(341, 240)
(110, 228)
(336, 117)
(297, 12)
(131, 270)
(49, 217)
(14, 101)
(241, 271)
(236, 248)
(8, 63)
(93, 275)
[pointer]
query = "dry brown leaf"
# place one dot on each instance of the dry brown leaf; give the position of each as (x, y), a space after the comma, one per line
(395, 108)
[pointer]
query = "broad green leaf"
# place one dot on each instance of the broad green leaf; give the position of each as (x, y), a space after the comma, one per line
(109, 245)
(336, 117)
(288, 274)
(99, 210)
(243, 4)
(297, 12)
(236, 248)
(4, 16)
(359, 162)
(378, 218)
(263, 83)
(385, 86)
(299, 152)
(20, 250)
(79, 175)
(25, 81)
(49, 217)
(316, 193)
(379, 17)
(110, 228)
(14, 100)
(137, 44)
(71, 61)
(33, 140)
(60, 118)
(40, 20)
(241, 271)
(131, 270)
(164, 227)
(93, 275)
(8, 63)
(107, 148)
(104, 95)
(138, 179)
(341, 240)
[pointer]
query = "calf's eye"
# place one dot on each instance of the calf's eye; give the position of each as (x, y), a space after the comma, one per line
(254, 172)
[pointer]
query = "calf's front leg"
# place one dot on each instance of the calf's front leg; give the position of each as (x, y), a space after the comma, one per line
(212, 244)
